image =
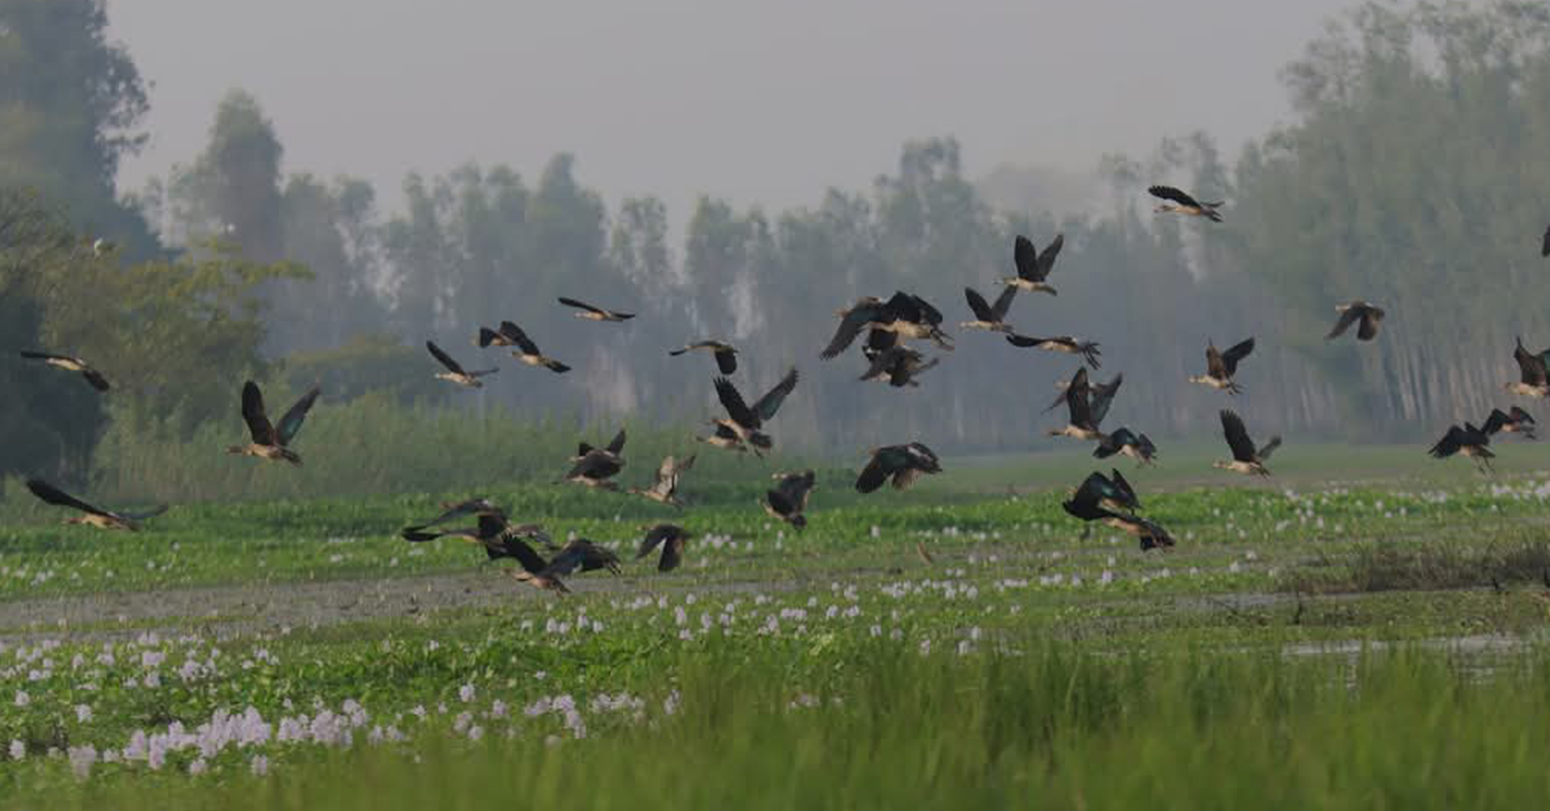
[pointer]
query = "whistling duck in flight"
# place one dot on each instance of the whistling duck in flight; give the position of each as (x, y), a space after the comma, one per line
(91, 516)
(271, 441)
(725, 354)
(899, 365)
(1087, 350)
(1534, 381)
(592, 313)
(903, 463)
(1080, 424)
(1102, 499)
(671, 538)
(745, 422)
(1367, 314)
(788, 500)
(664, 487)
(578, 554)
(1469, 441)
(1181, 203)
(990, 317)
(494, 534)
(1127, 442)
(455, 372)
(71, 363)
(724, 438)
(1221, 366)
(1033, 267)
(526, 350)
(1516, 421)
(905, 315)
(1246, 459)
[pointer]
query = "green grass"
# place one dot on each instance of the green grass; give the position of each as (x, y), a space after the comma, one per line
(1303, 646)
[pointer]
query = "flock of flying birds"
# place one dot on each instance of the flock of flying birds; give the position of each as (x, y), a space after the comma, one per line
(888, 324)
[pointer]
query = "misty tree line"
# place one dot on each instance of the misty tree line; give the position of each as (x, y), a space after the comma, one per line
(1414, 175)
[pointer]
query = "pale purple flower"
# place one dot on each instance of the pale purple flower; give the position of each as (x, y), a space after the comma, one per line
(82, 713)
(22, 699)
(18, 750)
(466, 693)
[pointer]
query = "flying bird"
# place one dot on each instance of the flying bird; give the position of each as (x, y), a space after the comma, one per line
(671, 538)
(458, 509)
(1104, 500)
(1357, 311)
(1468, 441)
(613, 449)
(724, 353)
(1516, 421)
(903, 463)
(578, 554)
(1088, 350)
(526, 350)
(71, 363)
(788, 500)
(1221, 366)
(746, 422)
(1180, 203)
(494, 534)
(1533, 380)
(1544, 245)
(91, 516)
(1099, 395)
(455, 372)
(1080, 424)
(1246, 458)
(664, 486)
(1033, 267)
(592, 313)
(990, 317)
(595, 469)
(905, 315)
(724, 438)
(1127, 442)
(269, 441)
(899, 365)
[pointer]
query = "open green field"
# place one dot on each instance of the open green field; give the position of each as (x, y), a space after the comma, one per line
(1366, 629)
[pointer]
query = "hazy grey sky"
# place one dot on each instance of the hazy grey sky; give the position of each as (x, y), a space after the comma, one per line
(757, 101)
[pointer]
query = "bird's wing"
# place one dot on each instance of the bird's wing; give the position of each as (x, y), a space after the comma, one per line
(1003, 303)
(1348, 317)
(1026, 257)
(144, 514)
(1368, 328)
(1076, 401)
(903, 307)
(1495, 421)
(1175, 195)
(927, 313)
(291, 422)
(462, 508)
(96, 379)
(979, 306)
(253, 414)
(45, 356)
(1544, 247)
(616, 446)
(1235, 353)
(515, 334)
(1269, 448)
(770, 402)
(1237, 437)
(445, 359)
(881, 340)
(850, 326)
(780, 502)
(1520, 415)
(1025, 341)
(1449, 444)
(493, 533)
(486, 337)
(923, 457)
(795, 488)
(582, 305)
(59, 498)
(732, 401)
(1124, 487)
(672, 552)
(1102, 397)
(1531, 367)
(875, 473)
(726, 360)
(1047, 258)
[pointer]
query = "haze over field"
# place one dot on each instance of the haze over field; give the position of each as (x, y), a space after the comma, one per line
(765, 103)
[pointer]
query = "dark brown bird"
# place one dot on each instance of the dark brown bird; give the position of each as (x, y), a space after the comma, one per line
(526, 350)
(614, 448)
(1033, 267)
(1246, 458)
(271, 441)
(578, 554)
(788, 500)
(71, 363)
(1351, 313)
(905, 315)
(455, 371)
(1080, 423)
(990, 317)
(903, 463)
(1103, 499)
(1516, 421)
(1087, 350)
(494, 534)
(898, 365)
(1127, 442)
(91, 516)
(592, 313)
(671, 538)
(1099, 395)
(1533, 378)
(1468, 441)
(1544, 244)
(724, 438)
(458, 509)
(1181, 203)
(724, 353)
(746, 422)
(1221, 366)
